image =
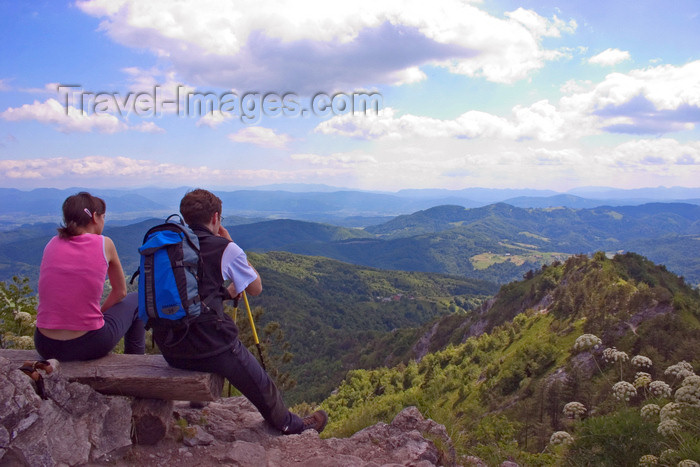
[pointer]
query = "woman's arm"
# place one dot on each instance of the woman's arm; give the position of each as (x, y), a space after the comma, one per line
(115, 274)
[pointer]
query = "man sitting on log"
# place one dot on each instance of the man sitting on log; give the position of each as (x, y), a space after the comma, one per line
(210, 343)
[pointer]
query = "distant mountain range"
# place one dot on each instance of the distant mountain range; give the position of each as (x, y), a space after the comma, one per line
(350, 208)
(497, 242)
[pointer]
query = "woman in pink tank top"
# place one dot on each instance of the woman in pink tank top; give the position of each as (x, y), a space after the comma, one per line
(71, 322)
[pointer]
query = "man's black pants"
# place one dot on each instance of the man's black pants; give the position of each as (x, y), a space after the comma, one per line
(244, 372)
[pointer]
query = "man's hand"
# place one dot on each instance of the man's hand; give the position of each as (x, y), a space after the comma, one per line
(235, 295)
(224, 233)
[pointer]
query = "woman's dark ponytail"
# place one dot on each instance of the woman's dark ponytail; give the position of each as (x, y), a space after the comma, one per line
(78, 210)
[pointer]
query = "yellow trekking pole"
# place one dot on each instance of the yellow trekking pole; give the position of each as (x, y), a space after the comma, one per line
(252, 327)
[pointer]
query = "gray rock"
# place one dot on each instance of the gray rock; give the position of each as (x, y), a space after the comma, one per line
(196, 436)
(73, 426)
(243, 438)
(242, 454)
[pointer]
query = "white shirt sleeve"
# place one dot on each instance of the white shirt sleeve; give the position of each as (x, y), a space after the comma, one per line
(235, 267)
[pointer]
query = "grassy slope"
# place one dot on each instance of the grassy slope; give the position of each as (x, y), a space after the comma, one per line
(501, 394)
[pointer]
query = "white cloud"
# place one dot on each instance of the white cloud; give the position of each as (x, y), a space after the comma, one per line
(610, 57)
(66, 119)
(576, 87)
(392, 164)
(326, 46)
(124, 171)
(50, 88)
(656, 152)
(455, 163)
(261, 136)
(148, 127)
(337, 159)
(93, 166)
(214, 119)
(650, 100)
(541, 121)
(4, 84)
(69, 119)
(409, 76)
(541, 26)
(646, 101)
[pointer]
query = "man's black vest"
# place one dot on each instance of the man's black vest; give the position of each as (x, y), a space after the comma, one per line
(211, 248)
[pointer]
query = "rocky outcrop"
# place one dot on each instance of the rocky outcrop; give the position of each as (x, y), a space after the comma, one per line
(421, 348)
(75, 425)
(239, 436)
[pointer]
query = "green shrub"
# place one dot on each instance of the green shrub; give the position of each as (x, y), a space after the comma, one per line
(616, 440)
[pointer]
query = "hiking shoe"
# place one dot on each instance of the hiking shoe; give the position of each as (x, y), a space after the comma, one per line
(316, 421)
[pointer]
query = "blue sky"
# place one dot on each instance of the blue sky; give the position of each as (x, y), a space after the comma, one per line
(501, 94)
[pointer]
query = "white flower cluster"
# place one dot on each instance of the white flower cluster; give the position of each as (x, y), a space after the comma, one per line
(23, 317)
(19, 342)
(688, 463)
(689, 392)
(650, 411)
(608, 353)
(25, 342)
(587, 341)
(640, 361)
(622, 390)
(660, 389)
(670, 411)
(561, 437)
(668, 427)
(574, 409)
(680, 370)
(648, 459)
(642, 379)
(611, 354)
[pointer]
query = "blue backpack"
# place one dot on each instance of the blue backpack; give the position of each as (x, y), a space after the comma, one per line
(169, 273)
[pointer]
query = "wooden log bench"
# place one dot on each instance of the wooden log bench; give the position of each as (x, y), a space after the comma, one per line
(148, 378)
(143, 376)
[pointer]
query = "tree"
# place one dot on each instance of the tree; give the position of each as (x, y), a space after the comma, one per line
(275, 349)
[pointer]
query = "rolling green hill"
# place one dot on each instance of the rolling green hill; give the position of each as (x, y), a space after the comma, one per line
(500, 242)
(502, 377)
(285, 234)
(562, 226)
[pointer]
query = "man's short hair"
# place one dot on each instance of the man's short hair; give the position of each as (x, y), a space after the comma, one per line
(198, 206)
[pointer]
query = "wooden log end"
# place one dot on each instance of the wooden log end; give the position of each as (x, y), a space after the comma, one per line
(151, 419)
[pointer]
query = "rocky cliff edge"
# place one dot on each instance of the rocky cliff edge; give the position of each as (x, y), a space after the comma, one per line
(75, 425)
